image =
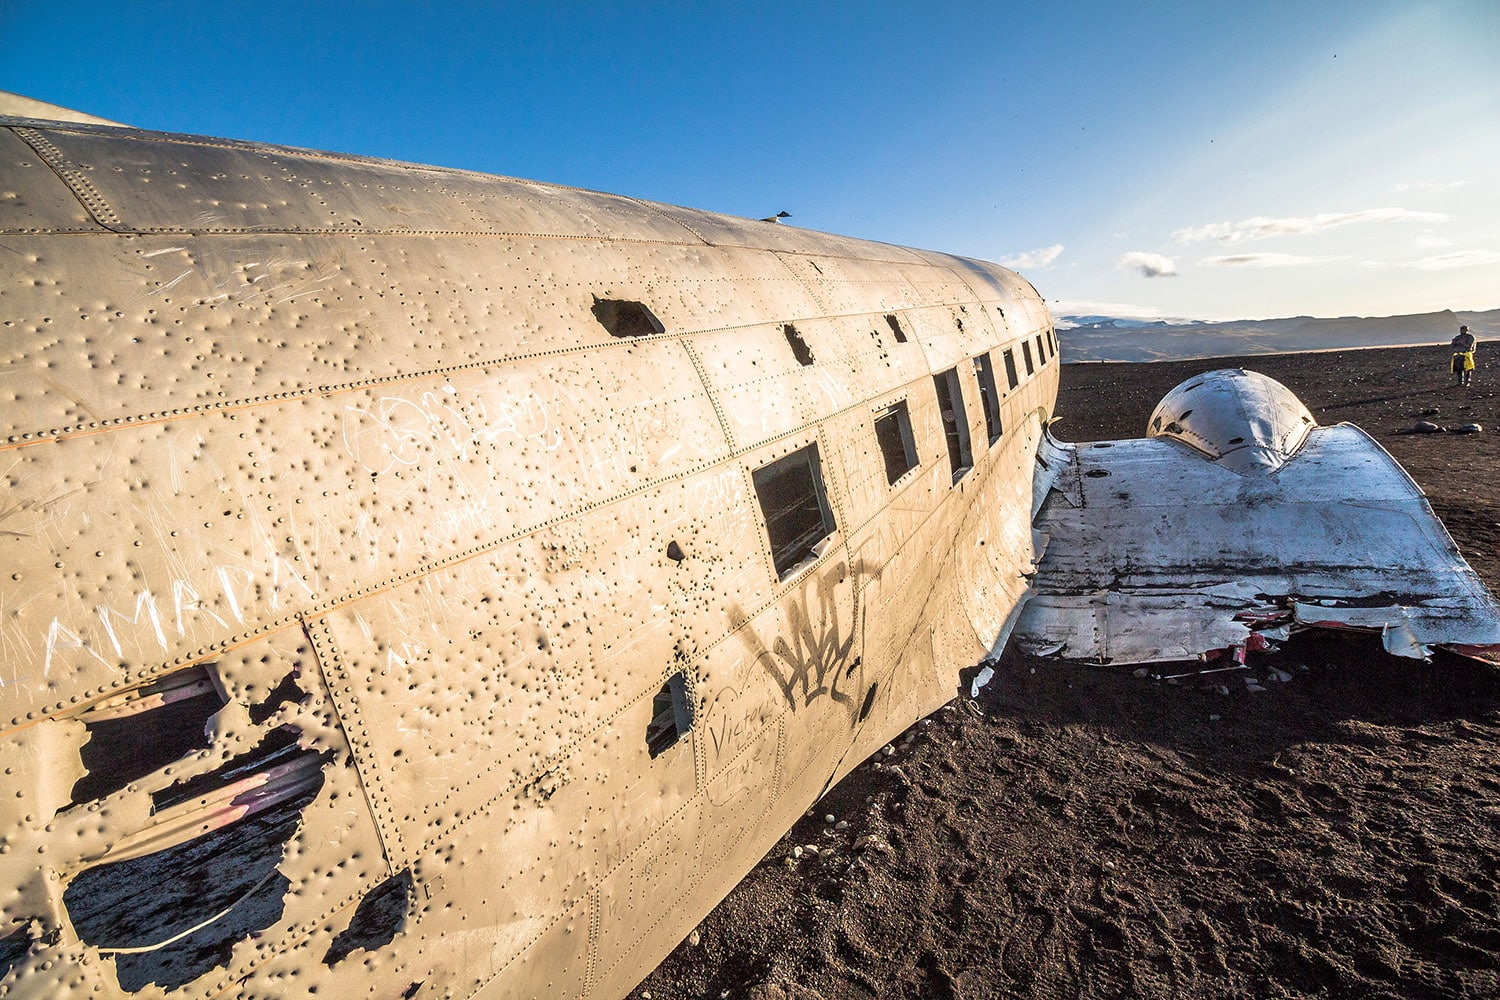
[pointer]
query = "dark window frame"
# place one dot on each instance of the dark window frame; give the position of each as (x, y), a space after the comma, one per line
(1011, 375)
(989, 396)
(950, 400)
(1026, 357)
(898, 446)
(794, 506)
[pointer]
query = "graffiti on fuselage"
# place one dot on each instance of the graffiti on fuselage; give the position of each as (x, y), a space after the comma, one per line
(816, 657)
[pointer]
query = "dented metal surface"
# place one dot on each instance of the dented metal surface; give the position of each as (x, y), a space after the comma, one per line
(1237, 517)
(388, 607)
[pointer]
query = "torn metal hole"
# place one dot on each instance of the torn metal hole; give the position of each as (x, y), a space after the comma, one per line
(800, 350)
(14, 948)
(1097, 473)
(869, 702)
(1236, 440)
(1104, 444)
(895, 325)
(675, 553)
(135, 733)
(286, 693)
(170, 916)
(275, 760)
(377, 919)
(623, 318)
(1185, 414)
(671, 715)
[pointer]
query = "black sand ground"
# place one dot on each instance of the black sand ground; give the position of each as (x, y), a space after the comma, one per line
(1086, 833)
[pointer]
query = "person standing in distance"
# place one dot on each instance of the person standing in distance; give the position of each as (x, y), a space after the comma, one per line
(1463, 356)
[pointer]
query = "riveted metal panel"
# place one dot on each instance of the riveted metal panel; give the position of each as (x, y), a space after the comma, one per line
(850, 286)
(463, 461)
(159, 183)
(481, 676)
(132, 551)
(762, 389)
(951, 336)
(32, 198)
(730, 231)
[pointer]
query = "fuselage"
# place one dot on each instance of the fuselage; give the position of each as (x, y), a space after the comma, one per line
(421, 582)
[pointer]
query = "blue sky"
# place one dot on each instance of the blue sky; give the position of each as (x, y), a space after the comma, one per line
(1196, 159)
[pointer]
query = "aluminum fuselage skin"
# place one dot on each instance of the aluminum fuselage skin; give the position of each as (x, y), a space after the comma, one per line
(335, 459)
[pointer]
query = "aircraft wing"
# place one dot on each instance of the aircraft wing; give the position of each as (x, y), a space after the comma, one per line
(1238, 520)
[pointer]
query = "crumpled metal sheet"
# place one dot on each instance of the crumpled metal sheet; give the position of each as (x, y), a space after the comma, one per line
(1160, 551)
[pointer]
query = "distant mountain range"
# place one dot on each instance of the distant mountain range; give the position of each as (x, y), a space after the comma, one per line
(1111, 338)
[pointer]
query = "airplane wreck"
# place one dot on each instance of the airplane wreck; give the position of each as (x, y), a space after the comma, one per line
(420, 583)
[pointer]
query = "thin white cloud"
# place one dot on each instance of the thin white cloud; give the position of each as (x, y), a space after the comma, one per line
(1265, 260)
(1458, 258)
(1429, 242)
(1033, 259)
(1263, 226)
(1150, 265)
(1429, 186)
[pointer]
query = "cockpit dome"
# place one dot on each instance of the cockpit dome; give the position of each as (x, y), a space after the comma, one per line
(1244, 420)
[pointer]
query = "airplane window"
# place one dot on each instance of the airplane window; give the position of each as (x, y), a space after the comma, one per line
(1010, 368)
(796, 509)
(955, 424)
(893, 431)
(989, 396)
(799, 346)
(895, 325)
(1041, 350)
(626, 319)
(1052, 336)
(671, 715)
(1026, 357)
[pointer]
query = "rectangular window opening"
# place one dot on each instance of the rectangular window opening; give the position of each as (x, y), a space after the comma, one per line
(895, 326)
(989, 396)
(671, 715)
(1041, 350)
(626, 319)
(800, 350)
(1010, 368)
(795, 507)
(893, 432)
(1052, 336)
(955, 423)
(1026, 357)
